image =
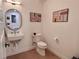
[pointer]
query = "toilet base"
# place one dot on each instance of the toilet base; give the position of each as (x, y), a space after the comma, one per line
(40, 51)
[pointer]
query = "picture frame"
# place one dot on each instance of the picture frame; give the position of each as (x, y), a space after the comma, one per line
(35, 17)
(61, 15)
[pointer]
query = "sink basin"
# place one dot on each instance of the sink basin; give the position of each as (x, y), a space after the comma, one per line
(14, 37)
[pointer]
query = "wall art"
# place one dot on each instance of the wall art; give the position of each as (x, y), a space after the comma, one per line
(61, 15)
(35, 17)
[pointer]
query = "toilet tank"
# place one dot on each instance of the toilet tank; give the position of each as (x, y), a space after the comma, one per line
(36, 38)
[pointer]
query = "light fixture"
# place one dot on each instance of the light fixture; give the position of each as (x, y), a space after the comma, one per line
(14, 2)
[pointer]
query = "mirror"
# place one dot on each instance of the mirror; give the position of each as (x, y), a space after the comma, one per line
(13, 19)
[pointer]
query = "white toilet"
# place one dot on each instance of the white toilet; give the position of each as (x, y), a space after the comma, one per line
(40, 45)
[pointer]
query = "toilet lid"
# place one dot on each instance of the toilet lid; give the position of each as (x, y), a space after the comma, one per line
(41, 43)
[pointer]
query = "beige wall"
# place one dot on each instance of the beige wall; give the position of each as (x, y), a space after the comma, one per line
(66, 32)
(27, 27)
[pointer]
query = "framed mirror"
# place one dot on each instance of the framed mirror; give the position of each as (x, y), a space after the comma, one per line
(13, 19)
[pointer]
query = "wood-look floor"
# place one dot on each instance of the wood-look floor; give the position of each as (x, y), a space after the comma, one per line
(33, 55)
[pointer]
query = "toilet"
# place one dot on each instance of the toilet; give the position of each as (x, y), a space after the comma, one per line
(39, 44)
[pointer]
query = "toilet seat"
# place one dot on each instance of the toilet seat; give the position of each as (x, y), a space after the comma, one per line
(42, 44)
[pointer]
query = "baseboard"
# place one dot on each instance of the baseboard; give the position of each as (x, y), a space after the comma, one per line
(52, 51)
(22, 51)
(58, 54)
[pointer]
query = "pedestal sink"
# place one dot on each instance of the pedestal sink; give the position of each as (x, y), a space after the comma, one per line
(14, 39)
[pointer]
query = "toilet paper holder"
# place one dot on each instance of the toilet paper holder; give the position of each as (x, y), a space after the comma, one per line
(56, 40)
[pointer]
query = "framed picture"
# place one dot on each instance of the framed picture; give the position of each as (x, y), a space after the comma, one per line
(61, 15)
(35, 17)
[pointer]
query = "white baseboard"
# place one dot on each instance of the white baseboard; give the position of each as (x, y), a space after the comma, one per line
(58, 54)
(21, 51)
(53, 51)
